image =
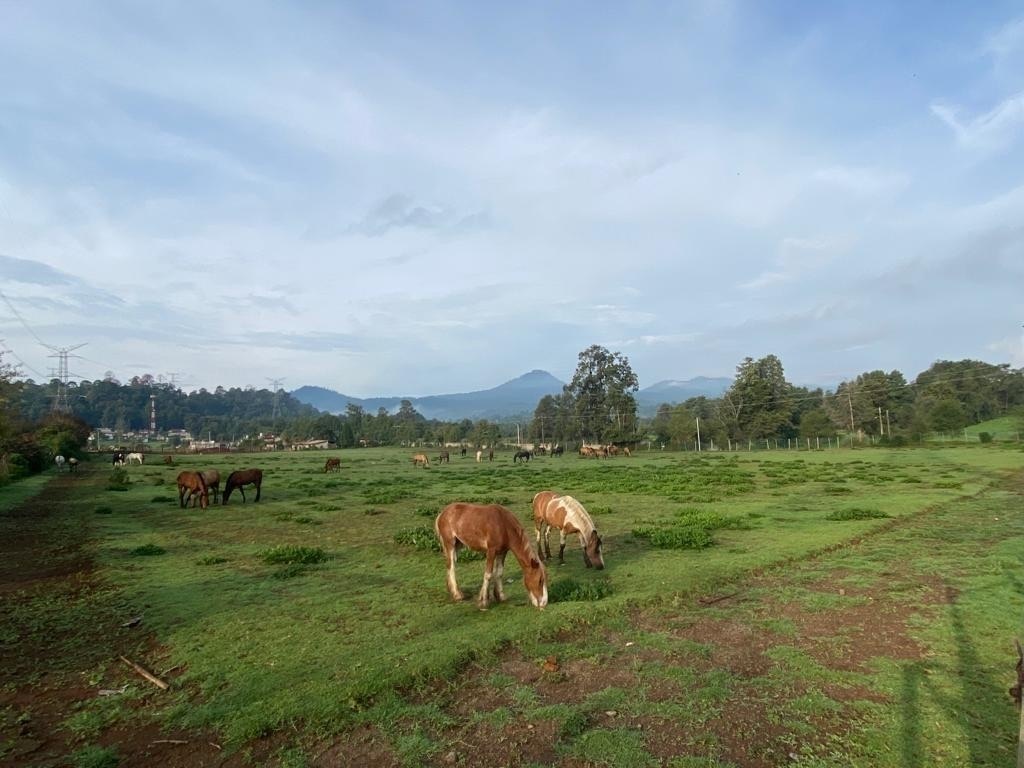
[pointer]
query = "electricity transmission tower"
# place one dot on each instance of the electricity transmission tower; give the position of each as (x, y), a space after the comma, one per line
(276, 384)
(60, 399)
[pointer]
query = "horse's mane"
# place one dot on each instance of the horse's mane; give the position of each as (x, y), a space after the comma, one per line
(578, 511)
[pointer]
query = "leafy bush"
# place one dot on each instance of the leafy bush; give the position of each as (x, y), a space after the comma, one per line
(985, 437)
(421, 538)
(95, 756)
(147, 550)
(676, 537)
(285, 554)
(570, 590)
(855, 513)
(119, 480)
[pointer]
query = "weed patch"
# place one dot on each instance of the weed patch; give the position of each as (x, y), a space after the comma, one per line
(856, 513)
(571, 591)
(147, 550)
(119, 480)
(95, 756)
(423, 539)
(287, 554)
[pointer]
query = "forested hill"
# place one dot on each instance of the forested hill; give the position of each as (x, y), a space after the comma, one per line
(222, 414)
(516, 397)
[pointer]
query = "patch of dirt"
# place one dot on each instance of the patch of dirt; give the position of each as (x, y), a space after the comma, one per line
(365, 747)
(45, 564)
(515, 743)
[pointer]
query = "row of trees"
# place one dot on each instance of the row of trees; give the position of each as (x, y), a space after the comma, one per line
(29, 444)
(598, 404)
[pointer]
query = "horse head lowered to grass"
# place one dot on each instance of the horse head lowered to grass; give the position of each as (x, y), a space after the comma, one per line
(551, 510)
(494, 530)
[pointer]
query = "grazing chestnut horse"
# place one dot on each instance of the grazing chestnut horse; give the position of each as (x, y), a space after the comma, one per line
(333, 465)
(212, 478)
(240, 478)
(420, 459)
(568, 516)
(192, 484)
(493, 529)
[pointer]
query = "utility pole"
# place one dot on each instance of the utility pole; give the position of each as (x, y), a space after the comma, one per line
(849, 401)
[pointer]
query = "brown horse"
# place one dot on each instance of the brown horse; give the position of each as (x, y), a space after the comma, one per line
(444, 458)
(190, 486)
(168, 460)
(420, 459)
(332, 465)
(240, 478)
(212, 478)
(493, 529)
(568, 516)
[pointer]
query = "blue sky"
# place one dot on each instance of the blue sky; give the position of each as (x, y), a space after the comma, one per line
(415, 198)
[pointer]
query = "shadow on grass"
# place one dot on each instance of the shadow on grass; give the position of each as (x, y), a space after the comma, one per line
(979, 704)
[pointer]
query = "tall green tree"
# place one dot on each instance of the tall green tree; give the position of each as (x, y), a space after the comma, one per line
(602, 390)
(760, 402)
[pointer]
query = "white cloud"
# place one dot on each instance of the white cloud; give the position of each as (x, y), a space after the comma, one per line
(992, 131)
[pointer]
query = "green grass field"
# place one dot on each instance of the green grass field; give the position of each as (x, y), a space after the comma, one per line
(364, 635)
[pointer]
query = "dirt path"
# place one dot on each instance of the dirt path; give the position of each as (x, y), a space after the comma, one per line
(62, 633)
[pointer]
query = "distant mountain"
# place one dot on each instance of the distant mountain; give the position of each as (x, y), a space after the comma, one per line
(672, 391)
(513, 398)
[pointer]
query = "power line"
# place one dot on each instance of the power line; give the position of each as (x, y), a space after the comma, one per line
(276, 384)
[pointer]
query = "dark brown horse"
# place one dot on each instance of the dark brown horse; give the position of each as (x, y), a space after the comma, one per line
(444, 458)
(494, 530)
(192, 485)
(332, 465)
(550, 510)
(524, 455)
(240, 478)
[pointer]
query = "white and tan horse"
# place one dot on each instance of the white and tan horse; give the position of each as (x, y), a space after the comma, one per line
(494, 530)
(135, 458)
(59, 461)
(550, 510)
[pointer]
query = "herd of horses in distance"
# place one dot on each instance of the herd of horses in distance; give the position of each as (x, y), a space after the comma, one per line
(489, 528)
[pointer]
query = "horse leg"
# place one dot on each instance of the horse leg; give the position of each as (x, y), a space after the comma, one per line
(586, 557)
(258, 487)
(451, 555)
(499, 571)
(547, 540)
(181, 496)
(536, 527)
(561, 547)
(488, 575)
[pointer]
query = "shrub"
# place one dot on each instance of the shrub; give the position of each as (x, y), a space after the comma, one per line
(119, 480)
(421, 538)
(985, 437)
(147, 550)
(676, 537)
(570, 590)
(285, 554)
(855, 513)
(95, 756)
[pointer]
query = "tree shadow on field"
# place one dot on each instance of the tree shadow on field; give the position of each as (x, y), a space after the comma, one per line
(984, 728)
